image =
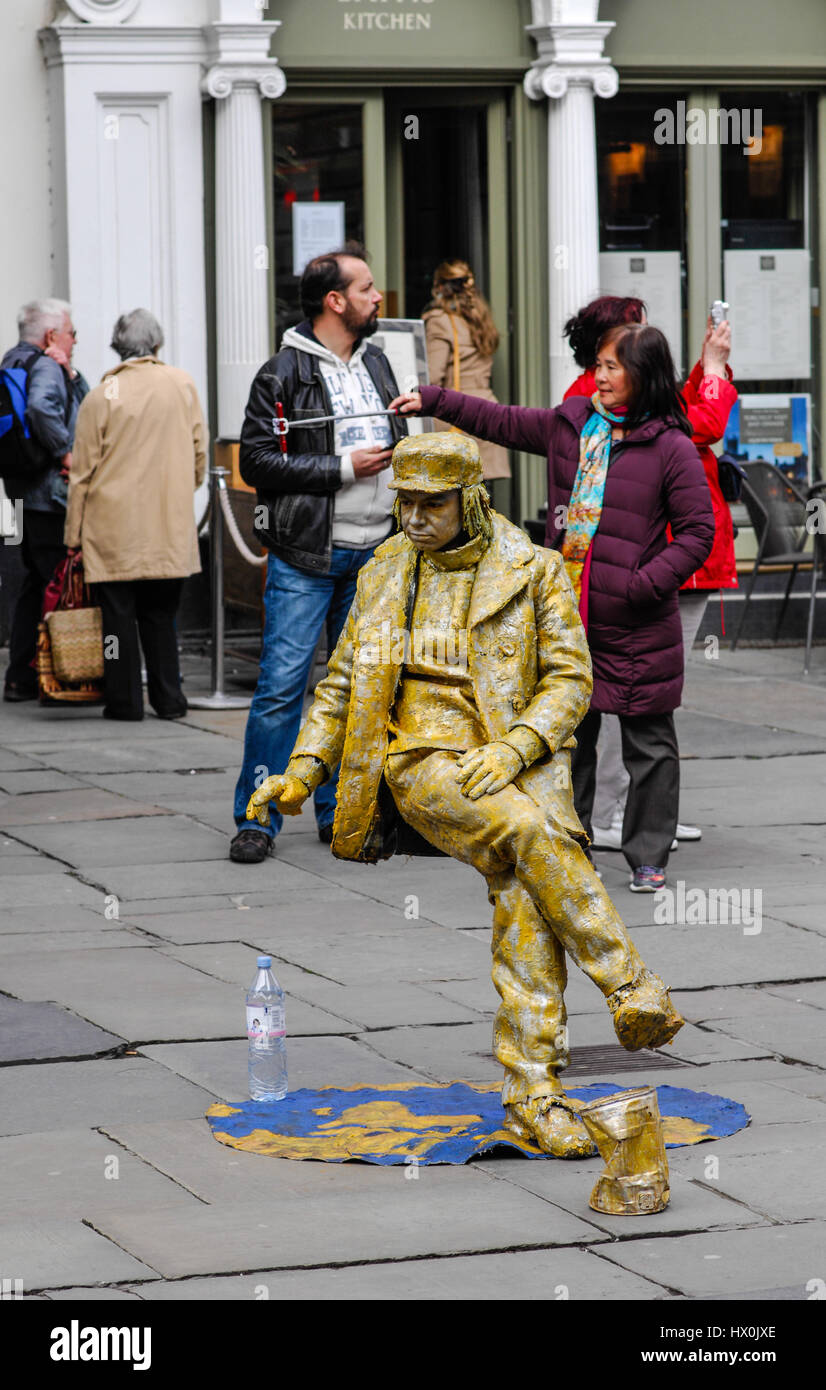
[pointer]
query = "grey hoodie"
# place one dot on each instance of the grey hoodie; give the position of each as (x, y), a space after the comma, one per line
(362, 505)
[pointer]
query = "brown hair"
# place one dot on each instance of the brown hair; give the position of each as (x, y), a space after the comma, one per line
(454, 290)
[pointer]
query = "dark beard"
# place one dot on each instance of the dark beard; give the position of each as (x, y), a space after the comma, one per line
(359, 328)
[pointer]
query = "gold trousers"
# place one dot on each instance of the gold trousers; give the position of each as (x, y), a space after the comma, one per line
(547, 900)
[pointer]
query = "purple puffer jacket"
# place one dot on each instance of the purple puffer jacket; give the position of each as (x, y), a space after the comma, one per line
(655, 478)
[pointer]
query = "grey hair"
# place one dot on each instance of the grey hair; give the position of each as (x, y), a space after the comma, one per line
(39, 315)
(137, 334)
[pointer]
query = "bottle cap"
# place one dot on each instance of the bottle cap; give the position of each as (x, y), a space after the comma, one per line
(264, 962)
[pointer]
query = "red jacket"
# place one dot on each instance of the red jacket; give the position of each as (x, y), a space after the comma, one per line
(708, 400)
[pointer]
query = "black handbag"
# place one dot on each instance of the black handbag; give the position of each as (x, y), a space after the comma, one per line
(730, 475)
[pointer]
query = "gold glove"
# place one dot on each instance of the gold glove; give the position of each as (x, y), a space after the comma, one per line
(288, 793)
(488, 769)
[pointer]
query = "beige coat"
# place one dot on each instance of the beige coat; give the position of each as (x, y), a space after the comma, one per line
(528, 661)
(139, 454)
(474, 377)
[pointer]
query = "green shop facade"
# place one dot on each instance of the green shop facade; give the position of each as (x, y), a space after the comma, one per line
(566, 149)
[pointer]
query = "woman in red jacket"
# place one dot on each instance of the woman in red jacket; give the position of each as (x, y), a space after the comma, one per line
(709, 396)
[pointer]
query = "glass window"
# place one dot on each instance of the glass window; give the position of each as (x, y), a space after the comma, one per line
(764, 192)
(641, 203)
(317, 155)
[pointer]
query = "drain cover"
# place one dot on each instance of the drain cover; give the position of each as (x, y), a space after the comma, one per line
(610, 1056)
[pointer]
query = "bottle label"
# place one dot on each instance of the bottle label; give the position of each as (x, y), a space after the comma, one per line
(264, 1023)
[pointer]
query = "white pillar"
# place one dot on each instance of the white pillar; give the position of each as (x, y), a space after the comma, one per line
(569, 70)
(240, 75)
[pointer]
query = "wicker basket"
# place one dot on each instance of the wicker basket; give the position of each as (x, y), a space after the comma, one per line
(85, 693)
(76, 639)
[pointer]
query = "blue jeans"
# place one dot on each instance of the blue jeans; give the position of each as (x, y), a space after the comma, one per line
(296, 606)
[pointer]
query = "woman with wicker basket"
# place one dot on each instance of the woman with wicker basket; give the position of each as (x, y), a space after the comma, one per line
(140, 453)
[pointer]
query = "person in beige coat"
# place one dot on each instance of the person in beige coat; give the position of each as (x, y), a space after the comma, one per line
(461, 343)
(139, 455)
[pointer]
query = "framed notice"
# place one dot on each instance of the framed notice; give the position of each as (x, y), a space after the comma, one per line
(771, 316)
(656, 277)
(317, 228)
(775, 427)
(403, 343)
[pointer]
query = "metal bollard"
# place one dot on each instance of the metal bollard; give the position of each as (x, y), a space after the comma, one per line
(217, 699)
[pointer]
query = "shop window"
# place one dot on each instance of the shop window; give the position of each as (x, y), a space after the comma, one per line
(317, 158)
(640, 181)
(763, 179)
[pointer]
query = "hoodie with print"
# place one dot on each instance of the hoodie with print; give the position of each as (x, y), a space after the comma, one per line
(362, 505)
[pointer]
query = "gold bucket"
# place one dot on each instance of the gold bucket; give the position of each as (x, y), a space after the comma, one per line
(627, 1129)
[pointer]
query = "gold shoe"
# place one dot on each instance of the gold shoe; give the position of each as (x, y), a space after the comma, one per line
(644, 1015)
(552, 1123)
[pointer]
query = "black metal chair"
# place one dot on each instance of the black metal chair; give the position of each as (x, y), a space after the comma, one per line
(783, 519)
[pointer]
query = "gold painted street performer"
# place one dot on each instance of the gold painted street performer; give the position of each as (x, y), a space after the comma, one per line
(451, 700)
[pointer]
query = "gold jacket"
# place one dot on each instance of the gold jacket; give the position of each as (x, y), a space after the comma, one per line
(528, 660)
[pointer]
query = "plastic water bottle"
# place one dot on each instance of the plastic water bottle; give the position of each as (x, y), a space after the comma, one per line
(267, 1033)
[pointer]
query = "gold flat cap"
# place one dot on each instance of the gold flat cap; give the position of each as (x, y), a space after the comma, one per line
(436, 462)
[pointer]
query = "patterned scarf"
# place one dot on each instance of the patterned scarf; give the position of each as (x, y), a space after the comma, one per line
(585, 506)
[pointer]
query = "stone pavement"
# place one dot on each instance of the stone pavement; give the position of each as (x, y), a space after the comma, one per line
(128, 940)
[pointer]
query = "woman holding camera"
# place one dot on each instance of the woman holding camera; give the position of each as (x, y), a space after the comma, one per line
(621, 470)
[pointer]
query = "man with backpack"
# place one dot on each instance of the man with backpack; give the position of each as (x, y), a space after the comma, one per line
(45, 394)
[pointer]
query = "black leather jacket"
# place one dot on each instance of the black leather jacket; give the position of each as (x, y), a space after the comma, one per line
(298, 488)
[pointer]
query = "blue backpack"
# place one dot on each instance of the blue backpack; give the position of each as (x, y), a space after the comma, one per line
(16, 458)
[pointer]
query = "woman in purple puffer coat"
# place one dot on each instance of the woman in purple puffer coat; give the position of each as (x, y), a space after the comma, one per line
(621, 469)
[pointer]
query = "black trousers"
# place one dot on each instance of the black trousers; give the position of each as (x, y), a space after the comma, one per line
(652, 760)
(41, 551)
(146, 607)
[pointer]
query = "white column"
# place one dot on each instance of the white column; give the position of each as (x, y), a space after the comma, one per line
(569, 70)
(239, 77)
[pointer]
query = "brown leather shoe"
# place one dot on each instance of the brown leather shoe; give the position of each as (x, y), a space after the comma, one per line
(552, 1123)
(251, 846)
(644, 1015)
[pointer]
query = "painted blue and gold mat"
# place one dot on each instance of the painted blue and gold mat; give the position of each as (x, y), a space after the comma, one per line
(439, 1123)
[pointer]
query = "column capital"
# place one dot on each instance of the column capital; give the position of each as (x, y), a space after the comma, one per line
(238, 56)
(223, 78)
(569, 41)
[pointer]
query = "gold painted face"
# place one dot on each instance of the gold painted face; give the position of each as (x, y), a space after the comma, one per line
(431, 519)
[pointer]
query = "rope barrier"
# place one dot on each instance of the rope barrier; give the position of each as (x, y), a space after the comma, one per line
(232, 526)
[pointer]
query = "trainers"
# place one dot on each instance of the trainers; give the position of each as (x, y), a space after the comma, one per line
(688, 832)
(606, 836)
(15, 694)
(550, 1122)
(325, 834)
(644, 1015)
(251, 846)
(647, 879)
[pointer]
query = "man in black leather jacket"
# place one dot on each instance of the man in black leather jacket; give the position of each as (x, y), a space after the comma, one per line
(323, 507)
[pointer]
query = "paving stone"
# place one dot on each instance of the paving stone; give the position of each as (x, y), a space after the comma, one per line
(23, 942)
(221, 1067)
(460, 1052)
(682, 954)
(13, 849)
(51, 918)
(793, 1030)
(73, 1173)
(72, 1095)
(90, 1294)
(49, 1253)
(419, 1218)
(31, 1032)
(807, 992)
(139, 840)
(133, 882)
(154, 751)
(38, 780)
(50, 892)
(421, 954)
(16, 762)
(528, 1275)
(60, 807)
(139, 992)
(569, 1185)
(708, 1266)
(220, 924)
(24, 864)
(158, 788)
